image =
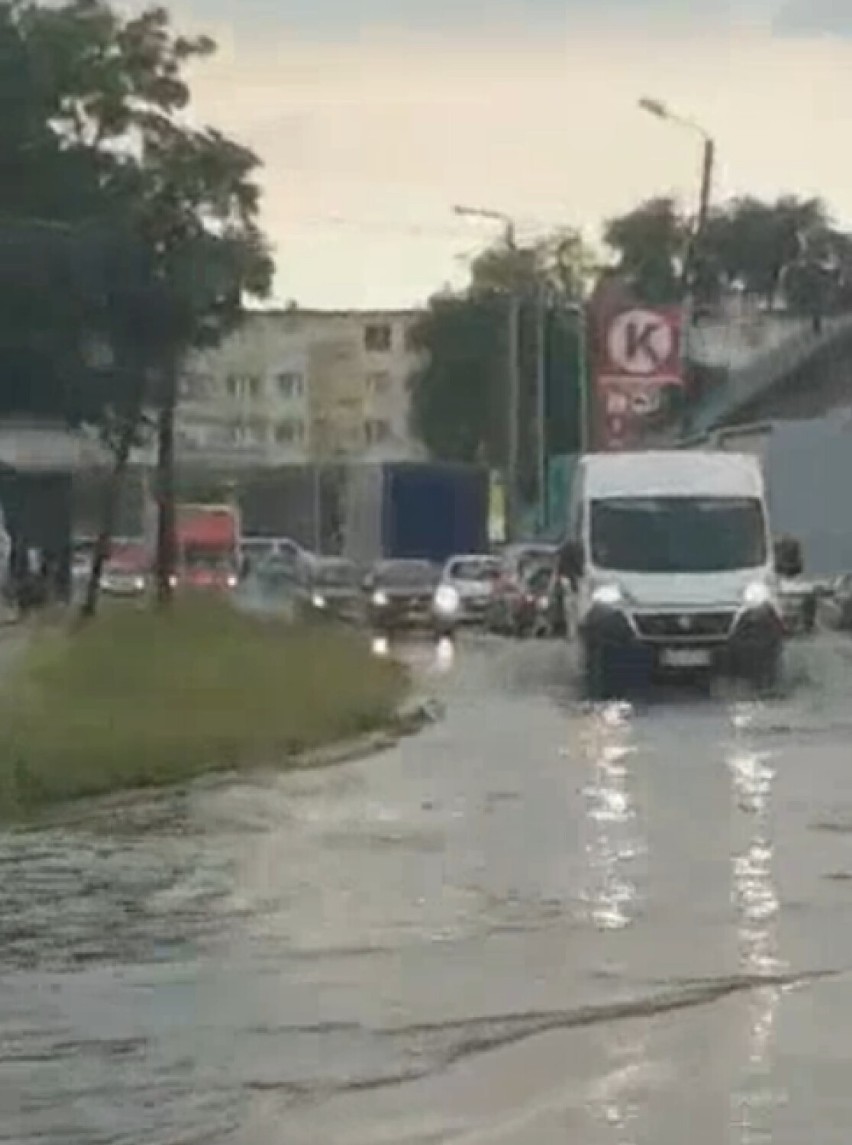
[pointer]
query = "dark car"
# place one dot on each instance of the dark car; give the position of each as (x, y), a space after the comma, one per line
(509, 608)
(837, 603)
(333, 588)
(399, 594)
(535, 611)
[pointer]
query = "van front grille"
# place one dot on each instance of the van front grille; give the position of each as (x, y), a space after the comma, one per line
(684, 625)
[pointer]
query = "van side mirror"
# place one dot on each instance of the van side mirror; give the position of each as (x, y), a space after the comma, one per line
(789, 561)
(571, 561)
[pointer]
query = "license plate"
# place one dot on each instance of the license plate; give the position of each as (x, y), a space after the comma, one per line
(686, 658)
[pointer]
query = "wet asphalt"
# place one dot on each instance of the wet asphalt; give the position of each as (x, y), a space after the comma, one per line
(537, 921)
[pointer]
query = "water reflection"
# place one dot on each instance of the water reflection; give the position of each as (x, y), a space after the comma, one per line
(613, 841)
(616, 1100)
(755, 900)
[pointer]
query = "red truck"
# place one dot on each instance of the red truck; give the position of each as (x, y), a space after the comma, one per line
(207, 546)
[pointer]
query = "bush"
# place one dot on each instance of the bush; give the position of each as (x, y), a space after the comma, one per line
(140, 698)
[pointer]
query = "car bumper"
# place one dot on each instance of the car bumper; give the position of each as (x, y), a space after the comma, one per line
(121, 588)
(754, 640)
(399, 616)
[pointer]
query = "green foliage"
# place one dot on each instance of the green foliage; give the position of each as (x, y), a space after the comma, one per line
(143, 699)
(650, 243)
(460, 395)
(782, 251)
(122, 226)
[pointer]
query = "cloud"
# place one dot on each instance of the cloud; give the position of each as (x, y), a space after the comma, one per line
(367, 145)
(814, 17)
(341, 19)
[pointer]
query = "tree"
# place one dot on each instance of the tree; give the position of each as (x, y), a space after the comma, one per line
(460, 395)
(650, 243)
(753, 242)
(178, 207)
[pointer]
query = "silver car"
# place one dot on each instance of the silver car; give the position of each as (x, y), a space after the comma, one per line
(465, 591)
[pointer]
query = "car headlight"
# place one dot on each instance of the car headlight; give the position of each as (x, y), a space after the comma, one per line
(757, 594)
(318, 600)
(232, 581)
(139, 584)
(380, 598)
(446, 598)
(609, 595)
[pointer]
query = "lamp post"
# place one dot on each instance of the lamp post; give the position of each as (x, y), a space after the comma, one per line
(708, 159)
(513, 368)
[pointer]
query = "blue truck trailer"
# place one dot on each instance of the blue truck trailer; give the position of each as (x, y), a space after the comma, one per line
(423, 510)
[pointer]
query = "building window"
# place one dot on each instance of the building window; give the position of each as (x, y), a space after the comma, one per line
(243, 386)
(378, 337)
(379, 383)
(290, 384)
(412, 339)
(246, 436)
(376, 430)
(194, 386)
(290, 432)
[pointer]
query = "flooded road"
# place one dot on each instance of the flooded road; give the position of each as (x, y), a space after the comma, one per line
(536, 922)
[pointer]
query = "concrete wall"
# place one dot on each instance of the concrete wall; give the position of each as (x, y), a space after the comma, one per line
(735, 343)
(808, 470)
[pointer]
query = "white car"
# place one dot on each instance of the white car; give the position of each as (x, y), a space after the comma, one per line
(465, 591)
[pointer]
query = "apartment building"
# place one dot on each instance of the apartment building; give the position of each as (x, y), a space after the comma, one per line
(298, 385)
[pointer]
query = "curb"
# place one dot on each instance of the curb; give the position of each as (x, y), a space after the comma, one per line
(410, 718)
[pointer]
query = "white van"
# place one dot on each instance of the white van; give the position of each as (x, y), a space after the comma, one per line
(671, 559)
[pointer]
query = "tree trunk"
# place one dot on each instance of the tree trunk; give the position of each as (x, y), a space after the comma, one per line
(166, 514)
(110, 507)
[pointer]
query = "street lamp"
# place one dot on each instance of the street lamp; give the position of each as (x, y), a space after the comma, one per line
(495, 216)
(661, 111)
(514, 367)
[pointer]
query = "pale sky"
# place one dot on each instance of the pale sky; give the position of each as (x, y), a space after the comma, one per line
(374, 117)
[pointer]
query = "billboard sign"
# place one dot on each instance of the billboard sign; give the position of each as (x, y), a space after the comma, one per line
(637, 358)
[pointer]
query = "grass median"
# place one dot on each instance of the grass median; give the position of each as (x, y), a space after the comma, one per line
(142, 699)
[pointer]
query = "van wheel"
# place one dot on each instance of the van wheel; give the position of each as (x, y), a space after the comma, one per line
(766, 674)
(600, 673)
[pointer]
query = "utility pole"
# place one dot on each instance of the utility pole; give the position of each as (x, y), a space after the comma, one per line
(513, 370)
(542, 302)
(661, 110)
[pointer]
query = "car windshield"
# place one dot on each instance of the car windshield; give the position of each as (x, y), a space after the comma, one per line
(277, 567)
(128, 556)
(205, 561)
(259, 549)
(474, 568)
(335, 574)
(402, 574)
(678, 534)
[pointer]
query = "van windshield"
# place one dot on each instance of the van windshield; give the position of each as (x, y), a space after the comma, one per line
(678, 534)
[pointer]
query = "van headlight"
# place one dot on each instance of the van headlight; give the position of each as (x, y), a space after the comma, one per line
(757, 594)
(608, 595)
(446, 599)
(380, 598)
(318, 600)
